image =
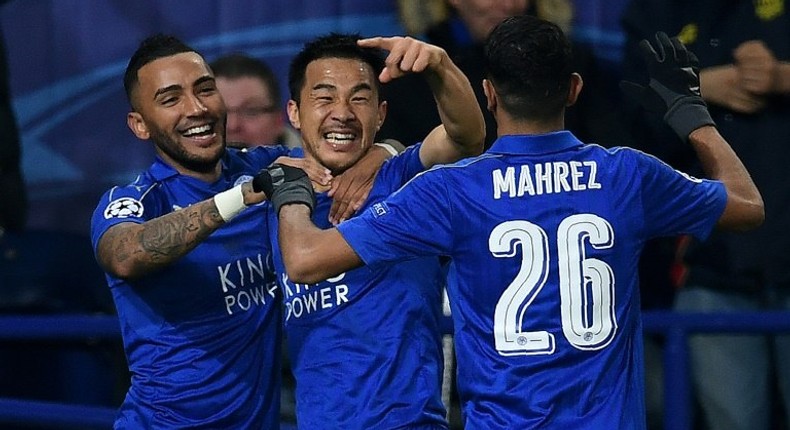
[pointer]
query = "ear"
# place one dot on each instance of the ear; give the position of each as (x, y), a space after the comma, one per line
(575, 88)
(490, 93)
(293, 114)
(381, 115)
(136, 123)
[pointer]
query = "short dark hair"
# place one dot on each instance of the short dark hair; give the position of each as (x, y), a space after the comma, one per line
(529, 62)
(333, 45)
(238, 65)
(150, 49)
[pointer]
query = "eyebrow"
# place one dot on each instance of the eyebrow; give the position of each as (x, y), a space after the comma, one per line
(357, 88)
(324, 87)
(177, 87)
(360, 87)
(167, 89)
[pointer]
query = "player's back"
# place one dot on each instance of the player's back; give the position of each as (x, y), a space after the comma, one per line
(544, 282)
(544, 235)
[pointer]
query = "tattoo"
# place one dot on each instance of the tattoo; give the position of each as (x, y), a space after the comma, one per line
(140, 248)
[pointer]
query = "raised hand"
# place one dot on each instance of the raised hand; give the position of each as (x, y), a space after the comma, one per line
(406, 55)
(674, 87)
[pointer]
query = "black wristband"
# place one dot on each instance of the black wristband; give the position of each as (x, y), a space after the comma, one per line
(686, 115)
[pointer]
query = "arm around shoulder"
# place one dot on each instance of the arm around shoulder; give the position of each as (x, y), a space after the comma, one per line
(131, 250)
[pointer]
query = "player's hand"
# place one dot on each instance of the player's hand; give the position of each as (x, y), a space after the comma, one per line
(315, 171)
(406, 55)
(350, 189)
(674, 87)
(285, 185)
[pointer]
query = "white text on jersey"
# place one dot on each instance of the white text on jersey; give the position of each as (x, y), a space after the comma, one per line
(545, 178)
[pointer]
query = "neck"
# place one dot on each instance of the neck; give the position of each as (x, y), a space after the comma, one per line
(208, 177)
(509, 126)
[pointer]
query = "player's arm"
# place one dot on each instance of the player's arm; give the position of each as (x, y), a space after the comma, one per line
(674, 91)
(310, 254)
(744, 209)
(131, 250)
(462, 131)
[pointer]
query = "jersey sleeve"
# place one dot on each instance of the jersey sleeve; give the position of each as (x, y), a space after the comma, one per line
(123, 204)
(676, 203)
(415, 221)
(400, 169)
(263, 156)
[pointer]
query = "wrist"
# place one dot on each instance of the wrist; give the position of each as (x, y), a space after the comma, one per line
(295, 209)
(688, 115)
(230, 203)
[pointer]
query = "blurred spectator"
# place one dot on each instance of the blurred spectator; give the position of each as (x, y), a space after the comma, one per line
(743, 47)
(255, 107)
(462, 32)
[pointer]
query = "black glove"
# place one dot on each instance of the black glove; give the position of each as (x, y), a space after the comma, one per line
(284, 185)
(674, 86)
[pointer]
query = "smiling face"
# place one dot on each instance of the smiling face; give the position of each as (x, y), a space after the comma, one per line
(339, 112)
(177, 106)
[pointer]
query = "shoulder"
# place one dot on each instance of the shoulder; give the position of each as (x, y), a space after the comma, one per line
(256, 158)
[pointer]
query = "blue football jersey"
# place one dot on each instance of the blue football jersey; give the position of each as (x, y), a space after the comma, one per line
(544, 234)
(202, 336)
(365, 346)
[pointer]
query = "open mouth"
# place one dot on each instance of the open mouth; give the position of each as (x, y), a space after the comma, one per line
(204, 131)
(339, 140)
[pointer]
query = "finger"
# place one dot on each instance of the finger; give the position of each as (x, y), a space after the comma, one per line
(350, 209)
(663, 45)
(377, 42)
(693, 60)
(340, 198)
(648, 52)
(356, 200)
(392, 64)
(411, 51)
(362, 198)
(681, 53)
(337, 211)
(315, 171)
(422, 61)
(385, 76)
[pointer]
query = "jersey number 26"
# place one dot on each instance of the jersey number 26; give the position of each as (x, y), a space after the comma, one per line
(586, 285)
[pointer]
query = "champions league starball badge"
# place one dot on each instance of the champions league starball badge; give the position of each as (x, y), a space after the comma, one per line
(124, 207)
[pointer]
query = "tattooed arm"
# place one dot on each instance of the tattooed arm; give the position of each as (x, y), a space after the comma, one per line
(130, 250)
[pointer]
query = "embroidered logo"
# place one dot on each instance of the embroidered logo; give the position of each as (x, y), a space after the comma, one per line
(124, 207)
(242, 179)
(379, 209)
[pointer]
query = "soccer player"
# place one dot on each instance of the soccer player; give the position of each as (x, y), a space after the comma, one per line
(365, 346)
(543, 233)
(187, 258)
